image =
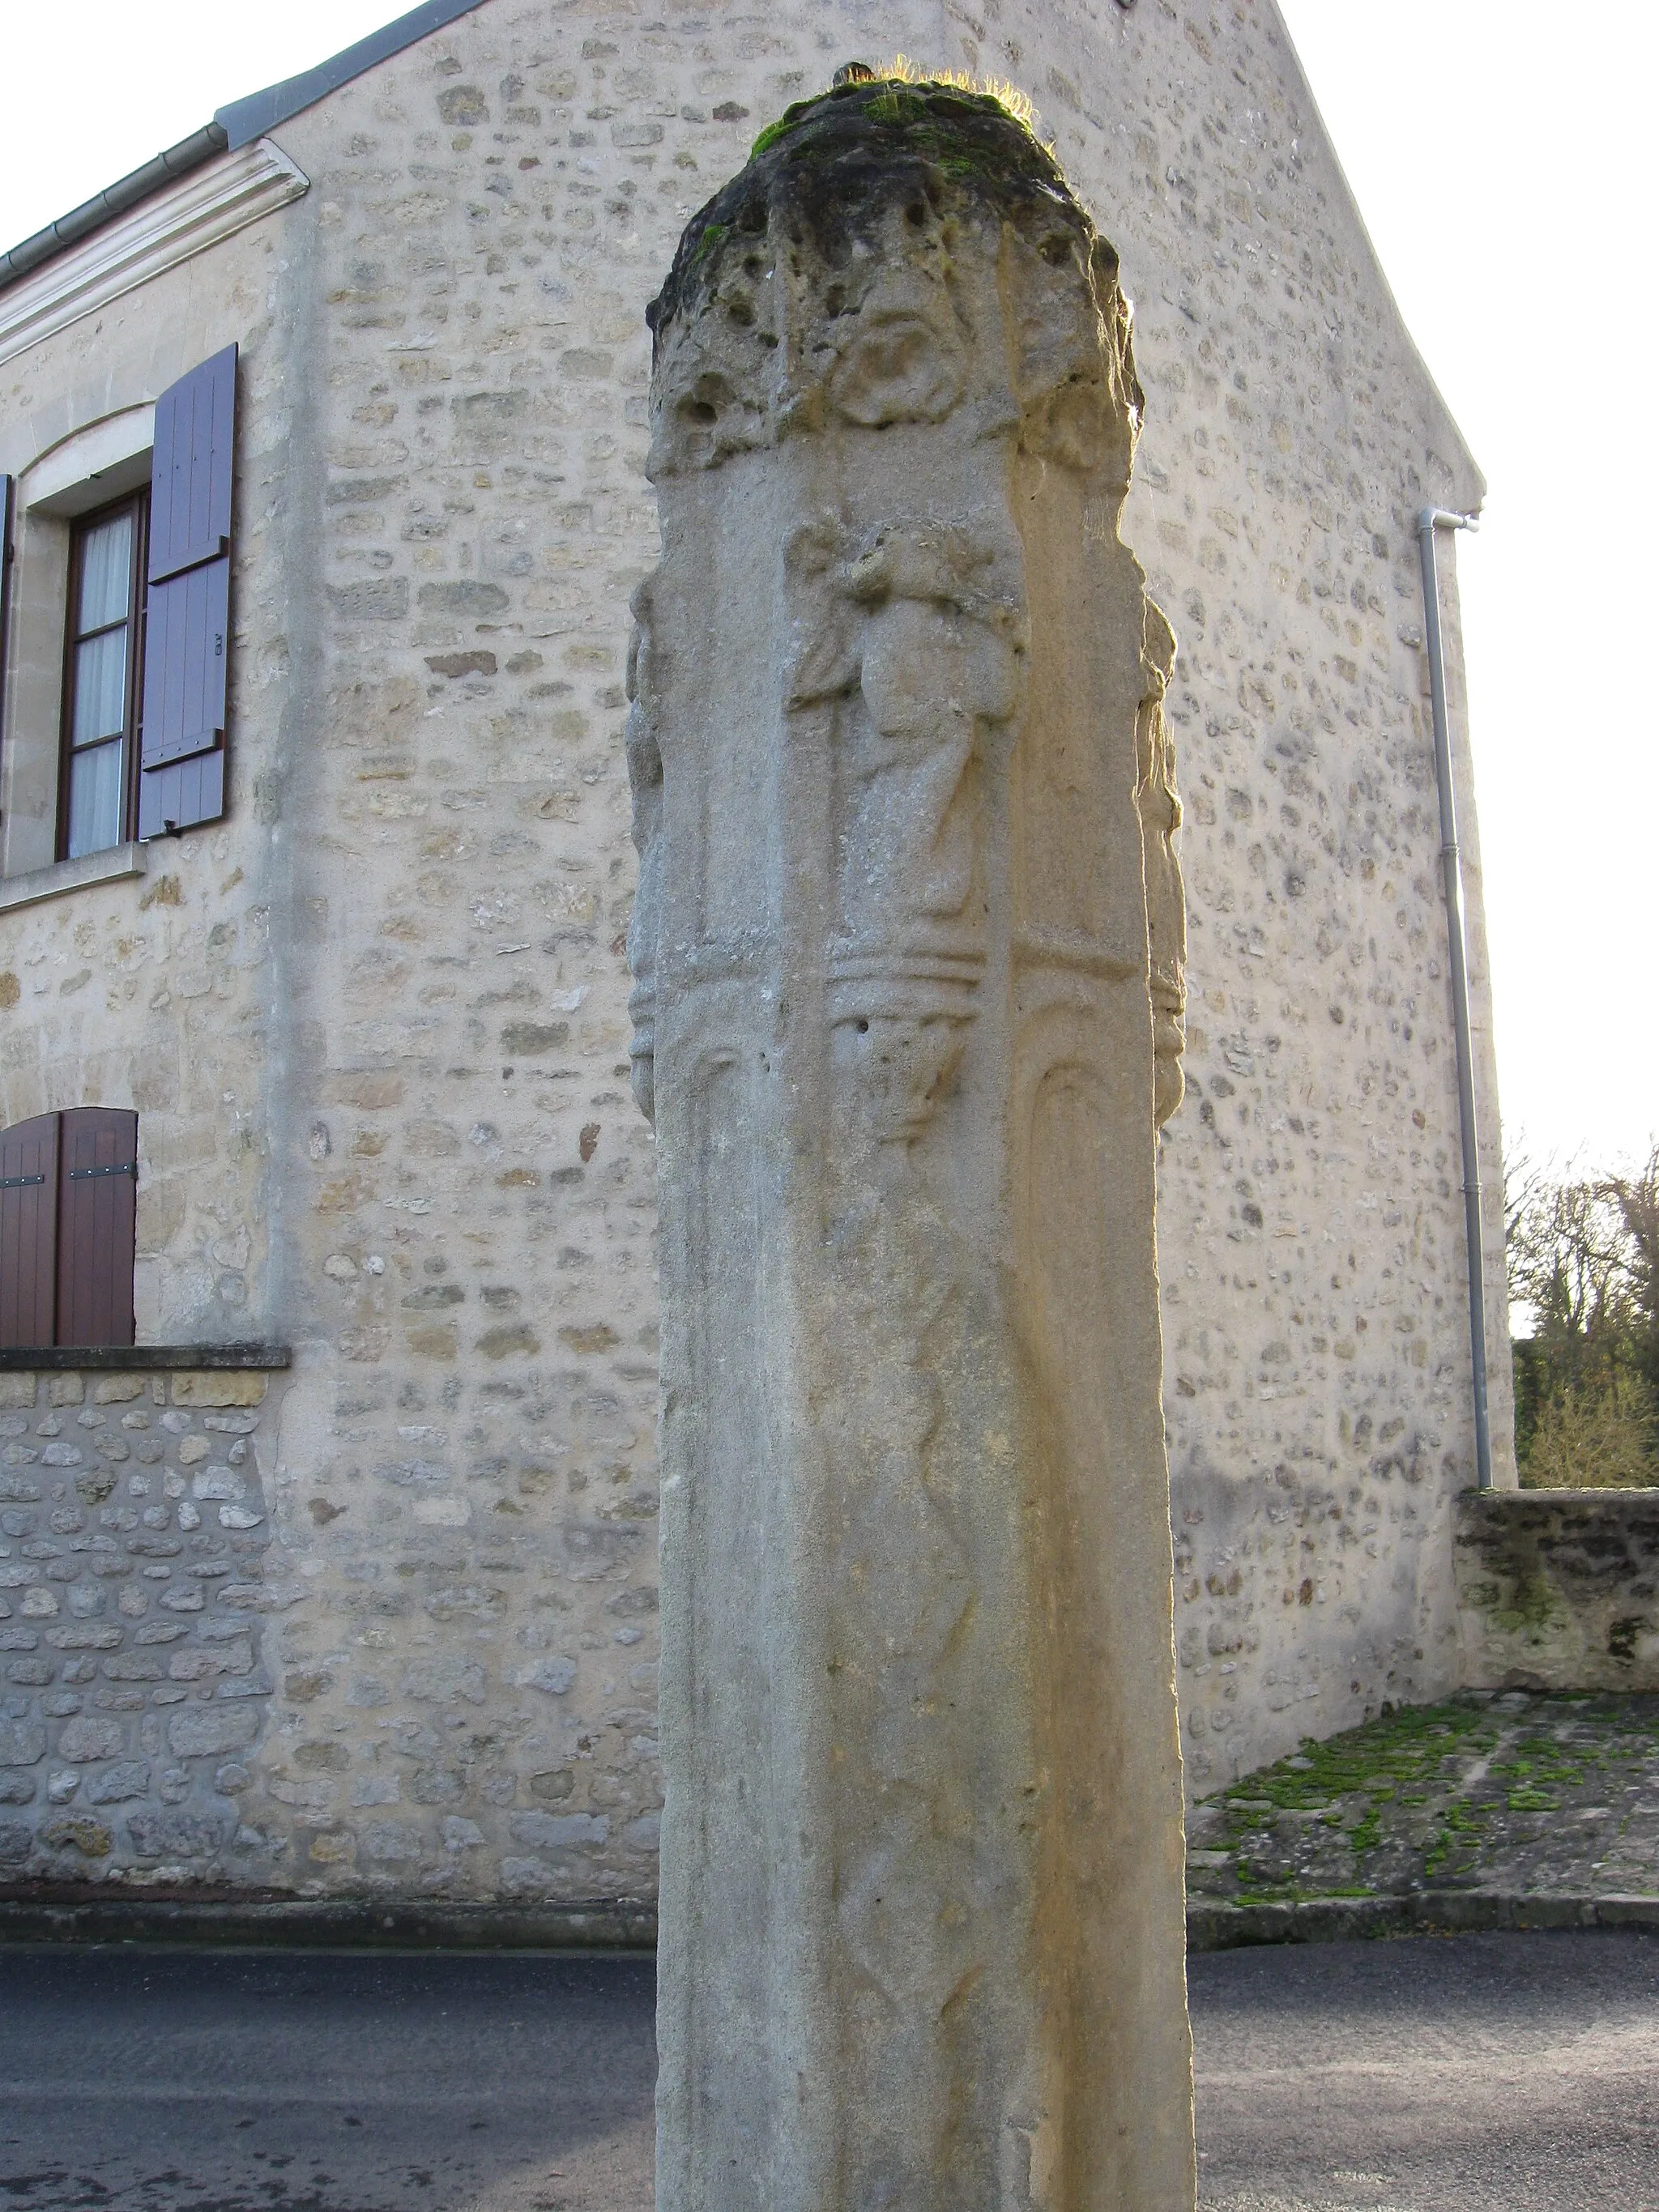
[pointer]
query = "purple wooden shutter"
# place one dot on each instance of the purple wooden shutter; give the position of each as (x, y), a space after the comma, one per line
(28, 1232)
(187, 623)
(97, 1224)
(190, 475)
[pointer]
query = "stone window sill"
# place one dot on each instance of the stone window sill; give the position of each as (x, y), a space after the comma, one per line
(106, 867)
(145, 1359)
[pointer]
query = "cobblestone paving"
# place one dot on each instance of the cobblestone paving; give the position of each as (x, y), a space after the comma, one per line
(1532, 1794)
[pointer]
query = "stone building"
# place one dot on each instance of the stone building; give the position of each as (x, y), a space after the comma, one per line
(345, 1579)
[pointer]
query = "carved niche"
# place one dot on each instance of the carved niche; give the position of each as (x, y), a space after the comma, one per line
(914, 633)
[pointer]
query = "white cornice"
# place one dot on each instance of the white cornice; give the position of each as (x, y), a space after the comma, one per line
(210, 203)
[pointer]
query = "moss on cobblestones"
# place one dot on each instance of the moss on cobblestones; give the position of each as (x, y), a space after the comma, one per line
(1529, 1792)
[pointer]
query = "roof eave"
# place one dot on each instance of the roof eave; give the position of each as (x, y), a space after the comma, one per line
(114, 200)
(236, 125)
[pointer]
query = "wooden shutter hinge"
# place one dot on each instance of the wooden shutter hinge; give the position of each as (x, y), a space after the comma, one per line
(17, 1182)
(80, 1175)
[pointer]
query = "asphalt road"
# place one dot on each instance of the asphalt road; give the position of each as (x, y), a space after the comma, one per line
(1485, 2074)
(325, 2081)
(1474, 2074)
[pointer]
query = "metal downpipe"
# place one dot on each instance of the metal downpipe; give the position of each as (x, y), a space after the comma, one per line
(1431, 520)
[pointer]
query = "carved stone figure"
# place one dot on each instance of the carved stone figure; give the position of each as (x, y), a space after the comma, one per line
(1166, 899)
(907, 954)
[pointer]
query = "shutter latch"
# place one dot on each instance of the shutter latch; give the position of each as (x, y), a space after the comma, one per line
(18, 1182)
(79, 1175)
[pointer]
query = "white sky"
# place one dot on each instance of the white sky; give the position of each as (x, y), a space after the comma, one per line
(1501, 154)
(1502, 162)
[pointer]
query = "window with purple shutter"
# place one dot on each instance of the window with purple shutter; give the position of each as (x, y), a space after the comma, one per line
(186, 647)
(68, 1228)
(101, 680)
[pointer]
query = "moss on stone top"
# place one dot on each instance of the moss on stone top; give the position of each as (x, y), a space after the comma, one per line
(830, 169)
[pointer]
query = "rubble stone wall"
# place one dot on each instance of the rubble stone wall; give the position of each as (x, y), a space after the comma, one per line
(1558, 1590)
(135, 1538)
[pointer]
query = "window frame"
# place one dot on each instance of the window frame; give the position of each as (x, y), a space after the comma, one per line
(136, 502)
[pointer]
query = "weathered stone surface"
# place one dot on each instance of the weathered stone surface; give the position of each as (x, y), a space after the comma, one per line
(207, 1389)
(23, 1743)
(174, 1833)
(897, 693)
(197, 1729)
(1558, 1590)
(161, 1651)
(85, 1738)
(127, 1778)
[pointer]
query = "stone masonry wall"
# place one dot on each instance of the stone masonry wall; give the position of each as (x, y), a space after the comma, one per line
(134, 1535)
(488, 519)
(1558, 1590)
(417, 1008)
(1310, 1210)
(156, 993)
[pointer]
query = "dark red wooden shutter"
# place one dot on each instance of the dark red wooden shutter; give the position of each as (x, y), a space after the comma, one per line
(97, 1222)
(187, 627)
(28, 1232)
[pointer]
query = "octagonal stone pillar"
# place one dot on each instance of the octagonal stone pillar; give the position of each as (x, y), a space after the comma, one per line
(908, 950)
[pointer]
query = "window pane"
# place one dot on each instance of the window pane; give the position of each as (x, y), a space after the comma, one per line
(105, 572)
(95, 808)
(101, 686)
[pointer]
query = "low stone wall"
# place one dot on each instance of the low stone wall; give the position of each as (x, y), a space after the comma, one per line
(133, 1520)
(1558, 1590)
